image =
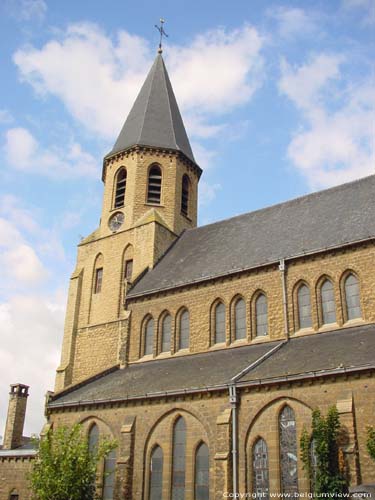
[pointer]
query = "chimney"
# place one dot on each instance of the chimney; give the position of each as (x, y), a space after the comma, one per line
(16, 416)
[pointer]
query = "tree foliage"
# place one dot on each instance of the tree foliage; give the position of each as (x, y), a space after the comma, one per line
(328, 472)
(371, 442)
(65, 469)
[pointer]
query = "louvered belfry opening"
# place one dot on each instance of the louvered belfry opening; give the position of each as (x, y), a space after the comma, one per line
(185, 195)
(154, 185)
(120, 189)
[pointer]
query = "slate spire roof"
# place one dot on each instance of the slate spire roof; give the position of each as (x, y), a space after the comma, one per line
(155, 119)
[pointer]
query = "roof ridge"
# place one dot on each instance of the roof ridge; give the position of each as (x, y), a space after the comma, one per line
(169, 102)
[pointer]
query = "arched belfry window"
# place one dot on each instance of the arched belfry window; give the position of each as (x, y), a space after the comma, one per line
(240, 320)
(154, 185)
(288, 451)
(260, 469)
(166, 328)
(304, 307)
(156, 474)
(179, 460)
(352, 298)
(202, 473)
(261, 315)
(120, 188)
(184, 337)
(219, 323)
(185, 193)
(328, 302)
(149, 337)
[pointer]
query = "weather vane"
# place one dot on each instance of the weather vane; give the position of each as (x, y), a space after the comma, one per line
(162, 32)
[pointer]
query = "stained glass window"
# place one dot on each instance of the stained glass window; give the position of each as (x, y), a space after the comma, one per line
(304, 307)
(166, 333)
(178, 469)
(149, 337)
(288, 451)
(353, 305)
(261, 314)
(219, 323)
(184, 330)
(156, 474)
(109, 475)
(328, 303)
(260, 470)
(240, 319)
(202, 473)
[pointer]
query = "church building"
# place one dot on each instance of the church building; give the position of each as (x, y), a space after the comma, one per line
(204, 350)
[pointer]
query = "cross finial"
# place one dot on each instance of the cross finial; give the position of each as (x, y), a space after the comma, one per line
(162, 33)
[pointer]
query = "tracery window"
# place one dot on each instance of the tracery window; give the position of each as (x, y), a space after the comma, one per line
(149, 337)
(288, 451)
(156, 474)
(352, 297)
(120, 188)
(240, 319)
(154, 185)
(260, 470)
(179, 460)
(109, 475)
(185, 195)
(304, 307)
(202, 473)
(219, 323)
(184, 330)
(328, 302)
(166, 329)
(261, 315)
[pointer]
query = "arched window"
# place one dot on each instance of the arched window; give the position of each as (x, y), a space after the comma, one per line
(304, 307)
(288, 451)
(352, 299)
(156, 474)
(240, 320)
(120, 188)
(178, 464)
(109, 475)
(219, 323)
(166, 328)
(260, 470)
(202, 473)
(14, 495)
(93, 438)
(184, 330)
(261, 315)
(98, 274)
(328, 303)
(154, 185)
(149, 337)
(185, 195)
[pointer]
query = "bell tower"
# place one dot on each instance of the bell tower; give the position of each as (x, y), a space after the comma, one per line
(150, 197)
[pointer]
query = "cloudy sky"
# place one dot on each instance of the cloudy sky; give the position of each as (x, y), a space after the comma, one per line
(277, 98)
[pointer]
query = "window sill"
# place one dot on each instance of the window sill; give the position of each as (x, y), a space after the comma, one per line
(260, 339)
(165, 354)
(329, 327)
(219, 345)
(186, 350)
(154, 204)
(355, 321)
(304, 331)
(186, 217)
(237, 342)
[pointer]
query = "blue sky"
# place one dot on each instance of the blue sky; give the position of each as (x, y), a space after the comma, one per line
(277, 98)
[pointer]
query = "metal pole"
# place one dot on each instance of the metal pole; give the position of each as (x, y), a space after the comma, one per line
(234, 403)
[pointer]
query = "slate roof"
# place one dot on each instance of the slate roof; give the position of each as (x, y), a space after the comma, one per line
(346, 348)
(155, 119)
(326, 219)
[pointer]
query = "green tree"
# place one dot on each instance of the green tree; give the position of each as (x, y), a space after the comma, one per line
(328, 475)
(371, 442)
(65, 469)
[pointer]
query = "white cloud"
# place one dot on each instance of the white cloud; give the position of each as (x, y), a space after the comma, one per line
(293, 21)
(24, 153)
(336, 143)
(98, 78)
(5, 116)
(207, 192)
(368, 6)
(27, 10)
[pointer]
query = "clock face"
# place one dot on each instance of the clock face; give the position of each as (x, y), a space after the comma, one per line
(116, 221)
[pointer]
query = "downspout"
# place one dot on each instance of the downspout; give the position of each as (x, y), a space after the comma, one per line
(234, 405)
(282, 269)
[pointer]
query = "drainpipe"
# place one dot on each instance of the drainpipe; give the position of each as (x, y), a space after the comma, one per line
(282, 269)
(233, 400)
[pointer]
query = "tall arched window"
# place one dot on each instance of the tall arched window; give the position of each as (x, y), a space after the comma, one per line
(154, 185)
(93, 438)
(185, 195)
(179, 460)
(288, 451)
(240, 320)
(149, 337)
(156, 474)
(260, 469)
(98, 274)
(352, 298)
(166, 328)
(261, 315)
(328, 303)
(109, 475)
(304, 307)
(219, 323)
(184, 330)
(202, 473)
(120, 188)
